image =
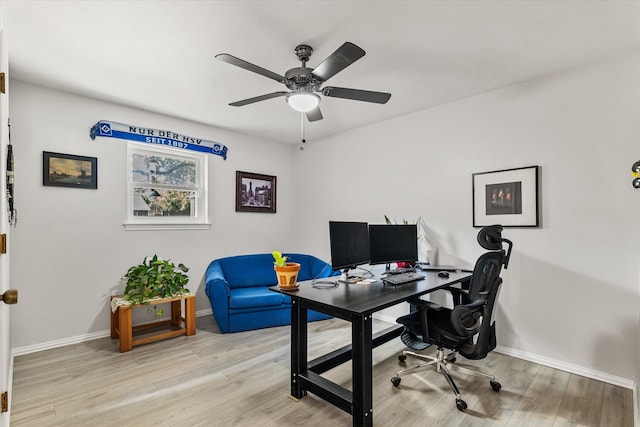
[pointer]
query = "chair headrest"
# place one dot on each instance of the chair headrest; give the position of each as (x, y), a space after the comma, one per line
(490, 237)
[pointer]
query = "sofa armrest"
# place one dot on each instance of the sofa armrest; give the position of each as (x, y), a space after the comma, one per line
(215, 279)
(218, 290)
(312, 267)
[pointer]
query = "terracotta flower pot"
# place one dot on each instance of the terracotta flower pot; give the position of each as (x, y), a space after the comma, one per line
(287, 275)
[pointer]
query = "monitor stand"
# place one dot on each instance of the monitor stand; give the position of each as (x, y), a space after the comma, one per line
(396, 270)
(389, 271)
(345, 278)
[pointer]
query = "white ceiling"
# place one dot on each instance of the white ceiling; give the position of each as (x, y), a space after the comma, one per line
(159, 55)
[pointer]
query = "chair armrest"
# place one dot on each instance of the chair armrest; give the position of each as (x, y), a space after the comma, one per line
(466, 318)
(422, 307)
(460, 296)
(421, 304)
(459, 291)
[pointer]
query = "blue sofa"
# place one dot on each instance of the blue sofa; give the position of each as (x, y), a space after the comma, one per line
(238, 289)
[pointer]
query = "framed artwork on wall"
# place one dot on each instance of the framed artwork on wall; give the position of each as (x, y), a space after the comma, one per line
(68, 170)
(507, 197)
(255, 192)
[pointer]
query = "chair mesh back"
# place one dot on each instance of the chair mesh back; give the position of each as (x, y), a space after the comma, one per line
(485, 272)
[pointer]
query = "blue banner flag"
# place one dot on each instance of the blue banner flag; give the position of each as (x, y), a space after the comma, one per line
(156, 136)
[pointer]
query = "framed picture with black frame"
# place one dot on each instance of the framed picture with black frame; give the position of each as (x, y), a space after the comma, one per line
(255, 192)
(68, 170)
(507, 197)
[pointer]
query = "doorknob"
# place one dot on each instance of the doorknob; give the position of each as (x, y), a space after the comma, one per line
(10, 296)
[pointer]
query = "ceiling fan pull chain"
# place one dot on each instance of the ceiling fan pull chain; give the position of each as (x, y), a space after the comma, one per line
(302, 130)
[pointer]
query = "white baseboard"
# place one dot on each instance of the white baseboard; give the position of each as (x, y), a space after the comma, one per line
(557, 364)
(636, 413)
(206, 312)
(19, 351)
(79, 339)
(385, 317)
(568, 367)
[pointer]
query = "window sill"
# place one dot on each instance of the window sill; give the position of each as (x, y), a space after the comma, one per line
(138, 226)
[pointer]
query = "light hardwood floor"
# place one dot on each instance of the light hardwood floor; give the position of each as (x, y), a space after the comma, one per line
(242, 379)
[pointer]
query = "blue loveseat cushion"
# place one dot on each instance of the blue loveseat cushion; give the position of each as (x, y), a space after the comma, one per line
(254, 297)
(249, 270)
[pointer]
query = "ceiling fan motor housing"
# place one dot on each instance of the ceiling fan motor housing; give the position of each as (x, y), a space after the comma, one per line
(301, 79)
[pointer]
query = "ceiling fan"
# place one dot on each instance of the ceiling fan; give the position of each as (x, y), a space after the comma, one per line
(303, 82)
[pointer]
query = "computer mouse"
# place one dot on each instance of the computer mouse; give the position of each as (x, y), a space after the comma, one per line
(443, 274)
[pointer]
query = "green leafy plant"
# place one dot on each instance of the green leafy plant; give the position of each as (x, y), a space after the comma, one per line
(279, 259)
(155, 278)
(388, 221)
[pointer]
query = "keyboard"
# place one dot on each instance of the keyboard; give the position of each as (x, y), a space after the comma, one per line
(401, 271)
(399, 279)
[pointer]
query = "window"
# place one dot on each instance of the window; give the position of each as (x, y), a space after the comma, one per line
(166, 188)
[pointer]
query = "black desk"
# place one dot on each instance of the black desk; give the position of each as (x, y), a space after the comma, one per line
(355, 303)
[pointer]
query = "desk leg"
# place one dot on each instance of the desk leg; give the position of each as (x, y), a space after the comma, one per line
(298, 346)
(362, 346)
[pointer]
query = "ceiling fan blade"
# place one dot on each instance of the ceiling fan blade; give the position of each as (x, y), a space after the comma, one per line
(257, 99)
(356, 94)
(346, 55)
(314, 115)
(230, 59)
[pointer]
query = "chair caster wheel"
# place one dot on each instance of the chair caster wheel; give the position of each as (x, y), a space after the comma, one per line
(495, 385)
(461, 405)
(395, 381)
(402, 357)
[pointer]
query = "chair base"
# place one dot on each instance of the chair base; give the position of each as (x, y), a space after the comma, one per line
(442, 363)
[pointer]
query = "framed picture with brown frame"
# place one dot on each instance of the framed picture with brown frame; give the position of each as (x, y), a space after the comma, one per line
(255, 192)
(68, 170)
(507, 197)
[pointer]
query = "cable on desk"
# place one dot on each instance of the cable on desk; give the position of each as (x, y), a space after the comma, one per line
(324, 284)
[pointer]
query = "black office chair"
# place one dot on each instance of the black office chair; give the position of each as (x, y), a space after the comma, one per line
(469, 327)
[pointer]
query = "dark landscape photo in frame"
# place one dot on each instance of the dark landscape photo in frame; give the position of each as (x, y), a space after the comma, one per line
(68, 170)
(504, 198)
(255, 192)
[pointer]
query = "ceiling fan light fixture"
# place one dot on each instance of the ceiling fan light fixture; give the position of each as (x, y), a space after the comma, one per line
(303, 101)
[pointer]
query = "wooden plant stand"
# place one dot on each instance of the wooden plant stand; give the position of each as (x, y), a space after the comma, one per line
(122, 327)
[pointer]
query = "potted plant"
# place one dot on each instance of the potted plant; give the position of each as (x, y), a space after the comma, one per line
(155, 278)
(286, 272)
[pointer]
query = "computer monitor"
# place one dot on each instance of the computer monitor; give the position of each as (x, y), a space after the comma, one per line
(393, 243)
(349, 243)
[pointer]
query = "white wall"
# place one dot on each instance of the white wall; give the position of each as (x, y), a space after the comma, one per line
(571, 291)
(70, 248)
